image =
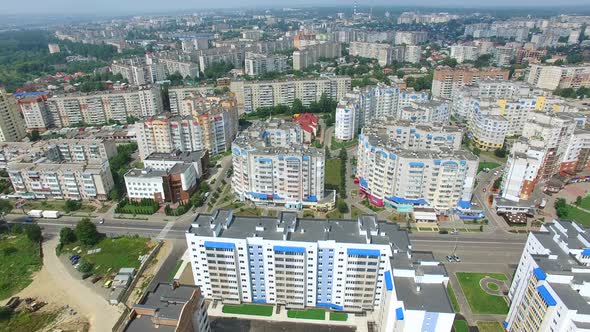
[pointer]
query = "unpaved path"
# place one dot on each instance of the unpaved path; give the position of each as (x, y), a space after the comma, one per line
(59, 287)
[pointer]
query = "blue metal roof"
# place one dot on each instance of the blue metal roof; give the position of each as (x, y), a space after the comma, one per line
(546, 296)
(289, 249)
(305, 158)
(399, 313)
(329, 305)
(505, 324)
(539, 274)
(257, 195)
(363, 182)
(29, 94)
(416, 164)
(464, 204)
(363, 252)
(388, 280)
(401, 200)
(311, 199)
(219, 245)
(586, 252)
(264, 160)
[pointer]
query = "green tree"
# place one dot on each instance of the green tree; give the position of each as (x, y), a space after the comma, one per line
(578, 200)
(5, 206)
(86, 232)
(33, 232)
(342, 206)
(297, 107)
(476, 151)
(327, 152)
(67, 235)
(561, 208)
(72, 205)
(85, 266)
(35, 136)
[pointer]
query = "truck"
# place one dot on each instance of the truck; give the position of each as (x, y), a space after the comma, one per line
(35, 213)
(51, 214)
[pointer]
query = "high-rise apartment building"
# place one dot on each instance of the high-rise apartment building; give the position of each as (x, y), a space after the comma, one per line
(258, 64)
(12, 127)
(100, 107)
(177, 96)
(272, 165)
(403, 166)
(553, 77)
(309, 55)
(549, 291)
(446, 79)
(361, 265)
(522, 167)
(463, 53)
(363, 105)
(252, 95)
(33, 107)
(410, 37)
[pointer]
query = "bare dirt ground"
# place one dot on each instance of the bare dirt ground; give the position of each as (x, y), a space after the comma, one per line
(65, 292)
(146, 277)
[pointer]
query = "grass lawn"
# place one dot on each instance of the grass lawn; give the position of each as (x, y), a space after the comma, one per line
(493, 286)
(333, 172)
(115, 253)
(582, 217)
(461, 326)
(26, 322)
(355, 212)
(249, 212)
(486, 164)
(489, 327)
(173, 273)
(453, 298)
(479, 301)
(248, 309)
(334, 215)
(58, 205)
(339, 316)
(371, 206)
(317, 314)
(585, 203)
(19, 258)
(335, 145)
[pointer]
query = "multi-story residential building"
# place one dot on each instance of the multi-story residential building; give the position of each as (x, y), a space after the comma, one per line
(529, 55)
(100, 107)
(174, 184)
(522, 167)
(488, 131)
(60, 150)
(412, 17)
(503, 55)
(229, 55)
(308, 55)
(383, 53)
(447, 79)
(549, 291)
(252, 95)
(12, 127)
(429, 171)
(553, 77)
(363, 105)
(463, 53)
(271, 165)
(177, 96)
(184, 68)
(33, 107)
(212, 131)
(175, 307)
(361, 265)
(258, 64)
(48, 179)
(433, 111)
(556, 130)
(576, 157)
(410, 37)
(413, 53)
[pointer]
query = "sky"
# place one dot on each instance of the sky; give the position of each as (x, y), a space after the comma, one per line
(125, 7)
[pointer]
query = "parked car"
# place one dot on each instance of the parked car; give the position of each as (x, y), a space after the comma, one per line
(108, 283)
(101, 221)
(95, 279)
(74, 257)
(456, 258)
(450, 259)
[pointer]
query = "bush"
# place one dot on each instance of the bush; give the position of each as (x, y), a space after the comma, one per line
(145, 206)
(342, 206)
(85, 266)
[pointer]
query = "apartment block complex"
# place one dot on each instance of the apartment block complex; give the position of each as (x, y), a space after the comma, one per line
(100, 107)
(410, 37)
(522, 167)
(463, 53)
(361, 265)
(447, 79)
(33, 107)
(404, 166)
(386, 54)
(258, 64)
(11, 123)
(553, 77)
(174, 184)
(549, 291)
(229, 55)
(177, 96)
(271, 165)
(309, 55)
(361, 106)
(44, 178)
(252, 95)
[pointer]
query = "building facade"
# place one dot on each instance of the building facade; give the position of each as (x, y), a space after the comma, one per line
(553, 77)
(12, 128)
(346, 265)
(309, 55)
(271, 165)
(257, 64)
(447, 79)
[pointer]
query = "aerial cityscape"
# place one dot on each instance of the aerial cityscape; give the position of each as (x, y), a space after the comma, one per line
(261, 166)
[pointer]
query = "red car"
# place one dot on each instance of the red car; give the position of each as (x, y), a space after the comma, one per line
(484, 190)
